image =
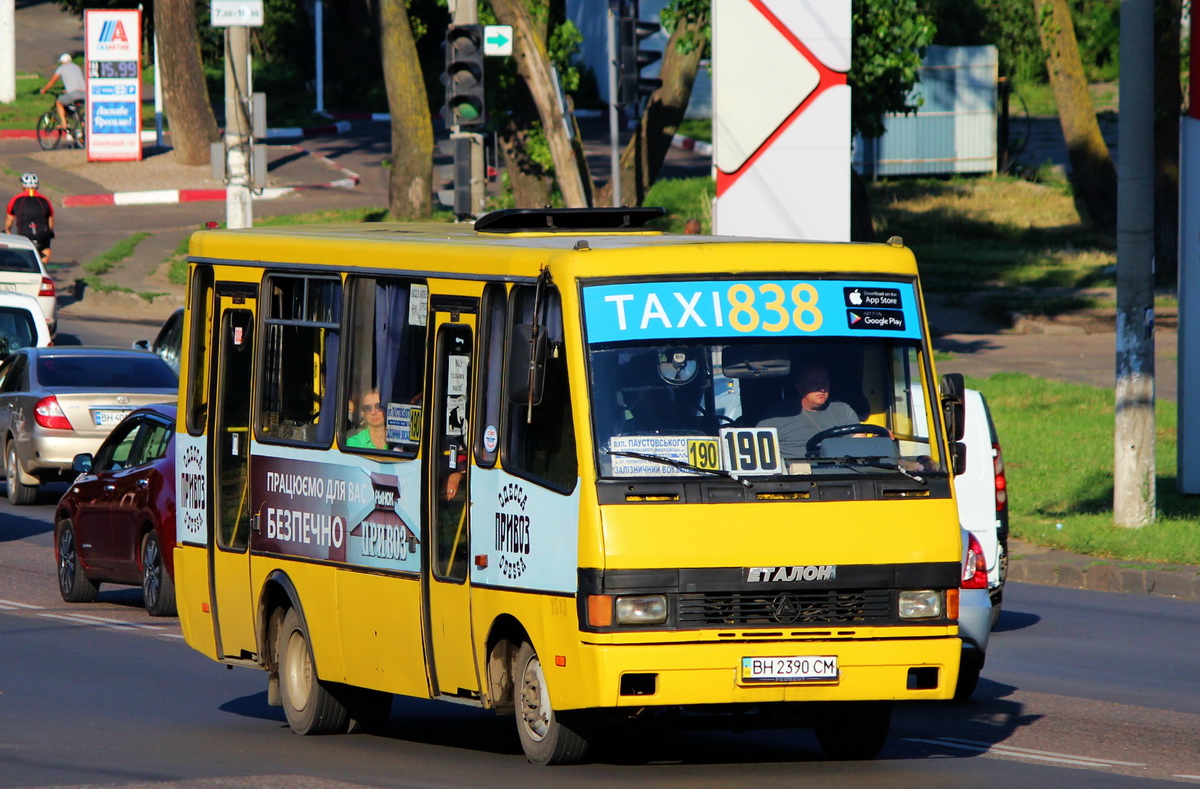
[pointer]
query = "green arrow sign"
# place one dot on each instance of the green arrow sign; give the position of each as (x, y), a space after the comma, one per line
(497, 40)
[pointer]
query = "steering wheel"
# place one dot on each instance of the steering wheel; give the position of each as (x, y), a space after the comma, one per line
(843, 430)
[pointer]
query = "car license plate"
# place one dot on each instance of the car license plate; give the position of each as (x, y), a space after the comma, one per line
(107, 418)
(792, 668)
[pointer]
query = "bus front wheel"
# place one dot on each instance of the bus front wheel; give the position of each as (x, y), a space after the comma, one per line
(854, 729)
(309, 705)
(545, 738)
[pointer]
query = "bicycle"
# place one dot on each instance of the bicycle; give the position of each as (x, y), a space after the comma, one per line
(50, 136)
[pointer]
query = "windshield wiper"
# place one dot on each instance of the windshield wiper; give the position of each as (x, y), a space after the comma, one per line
(743, 481)
(888, 465)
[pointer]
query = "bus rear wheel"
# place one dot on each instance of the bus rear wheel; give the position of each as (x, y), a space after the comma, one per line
(545, 738)
(854, 729)
(309, 705)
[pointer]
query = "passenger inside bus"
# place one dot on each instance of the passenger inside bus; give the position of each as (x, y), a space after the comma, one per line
(374, 421)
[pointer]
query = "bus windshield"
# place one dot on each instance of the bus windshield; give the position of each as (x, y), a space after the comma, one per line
(837, 399)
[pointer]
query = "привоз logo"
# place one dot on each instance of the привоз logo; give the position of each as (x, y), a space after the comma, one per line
(512, 531)
(192, 495)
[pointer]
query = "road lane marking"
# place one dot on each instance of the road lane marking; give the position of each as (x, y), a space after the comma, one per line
(976, 746)
(95, 621)
(12, 605)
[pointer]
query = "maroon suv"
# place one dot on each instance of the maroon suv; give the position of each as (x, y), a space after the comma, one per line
(116, 523)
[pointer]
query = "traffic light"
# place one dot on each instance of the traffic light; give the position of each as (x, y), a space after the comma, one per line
(464, 76)
(631, 58)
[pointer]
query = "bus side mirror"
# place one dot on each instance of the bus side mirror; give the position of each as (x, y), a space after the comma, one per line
(954, 405)
(960, 458)
(526, 369)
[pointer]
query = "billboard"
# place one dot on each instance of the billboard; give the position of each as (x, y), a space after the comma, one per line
(113, 41)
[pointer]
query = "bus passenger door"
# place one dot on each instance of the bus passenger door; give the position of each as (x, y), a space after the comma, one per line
(448, 622)
(230, 450)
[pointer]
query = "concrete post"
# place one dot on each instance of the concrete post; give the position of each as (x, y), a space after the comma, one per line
(238, 206)
(1133, 459)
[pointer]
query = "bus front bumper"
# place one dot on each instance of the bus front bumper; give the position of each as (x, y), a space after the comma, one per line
(637, 675)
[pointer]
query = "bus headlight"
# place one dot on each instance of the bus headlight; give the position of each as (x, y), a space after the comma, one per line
(644, 610)
(921, 604)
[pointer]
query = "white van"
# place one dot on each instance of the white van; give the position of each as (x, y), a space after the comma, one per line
(982, 494)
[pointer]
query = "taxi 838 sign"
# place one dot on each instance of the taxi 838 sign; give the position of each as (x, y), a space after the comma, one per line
(750, 308)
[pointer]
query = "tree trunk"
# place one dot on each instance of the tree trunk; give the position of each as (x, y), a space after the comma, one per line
(530, 185)
(1092, 173)
(1168, 105)
(644, 154)
(188, 110)
(533, 64)
(410, 183)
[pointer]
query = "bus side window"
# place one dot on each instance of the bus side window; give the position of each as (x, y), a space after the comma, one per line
(199, 349)
(490, 372)
(543, 449)
(300, 354)
(386, 364)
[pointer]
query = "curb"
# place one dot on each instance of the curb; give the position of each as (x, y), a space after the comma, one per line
(1051, 567)
(173, 196)
(382, 117)
(688, 144)
(284, 132)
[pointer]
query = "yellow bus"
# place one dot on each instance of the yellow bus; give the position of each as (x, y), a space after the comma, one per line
(564, 467)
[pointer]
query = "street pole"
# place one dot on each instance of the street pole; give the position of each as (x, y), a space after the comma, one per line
(1133, 458)
(614, 110)
(238, 207)
(8, 51)
(158, 97)
(469, 156)
(319, 24)
(1188, 377)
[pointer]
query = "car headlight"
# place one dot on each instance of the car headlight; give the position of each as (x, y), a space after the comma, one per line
(642, 610)
(921, 604)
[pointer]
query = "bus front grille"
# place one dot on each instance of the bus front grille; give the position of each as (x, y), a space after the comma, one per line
(859, 606)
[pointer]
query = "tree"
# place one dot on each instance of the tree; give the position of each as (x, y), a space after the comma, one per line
(888, 45)
(410, 183)
(533, 64)
(188, 109)
(691, 32)
(1093, 175)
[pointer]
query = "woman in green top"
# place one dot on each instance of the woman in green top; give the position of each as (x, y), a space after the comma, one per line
(374, 435)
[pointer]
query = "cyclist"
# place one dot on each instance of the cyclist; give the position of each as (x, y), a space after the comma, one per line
(73, 87)
(30, 214)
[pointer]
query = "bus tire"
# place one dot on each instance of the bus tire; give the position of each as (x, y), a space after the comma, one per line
(854, 730)
(545, 737)
(309, 705)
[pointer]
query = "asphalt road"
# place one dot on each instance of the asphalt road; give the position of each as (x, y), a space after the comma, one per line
(1081, 689)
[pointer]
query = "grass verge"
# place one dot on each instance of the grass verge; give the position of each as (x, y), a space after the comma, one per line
(1058, 456)
(109, 259)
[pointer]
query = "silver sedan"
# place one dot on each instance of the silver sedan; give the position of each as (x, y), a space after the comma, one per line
(58, 402)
